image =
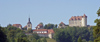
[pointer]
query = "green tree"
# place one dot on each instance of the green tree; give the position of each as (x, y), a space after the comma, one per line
(41, 23)
(44, 40)
(79, 39)
(96, 29)
(50, 26)
(84, 40)
(9, 25)
(71, 34)
(19, 39)
(62, 36)
(14, 34)
(38, 40)
(3, 37)
(33, 37)
(29, 30)
(98, 12)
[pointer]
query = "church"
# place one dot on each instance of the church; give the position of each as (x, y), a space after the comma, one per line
(29, 25)
(40, 30)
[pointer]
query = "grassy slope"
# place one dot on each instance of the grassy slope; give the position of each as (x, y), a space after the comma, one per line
(50, 40)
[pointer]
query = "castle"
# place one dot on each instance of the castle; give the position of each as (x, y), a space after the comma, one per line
(80, 21)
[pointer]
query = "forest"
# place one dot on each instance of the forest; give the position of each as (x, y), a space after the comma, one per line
(67, 34)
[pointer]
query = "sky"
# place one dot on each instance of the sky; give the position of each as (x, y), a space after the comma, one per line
(46, 11)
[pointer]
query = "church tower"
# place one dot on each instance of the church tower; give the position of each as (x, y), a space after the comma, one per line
(29, 24)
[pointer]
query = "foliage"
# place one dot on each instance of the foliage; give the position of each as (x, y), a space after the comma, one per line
(3, 37)
(38, 40)
(98, 12)
(71, 34)
(29, 30)
(41, 23)
(50, 26)
(44, 40)
(33, 37)
(21, 40)
(96, 29)
(50, 40)
(62, 36)
(79, 39)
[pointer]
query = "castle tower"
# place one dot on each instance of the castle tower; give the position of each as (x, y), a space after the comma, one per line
(84, 20)
(29, 25)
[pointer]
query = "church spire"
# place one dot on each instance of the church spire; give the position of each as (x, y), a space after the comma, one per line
(29, 22)
(29, 19)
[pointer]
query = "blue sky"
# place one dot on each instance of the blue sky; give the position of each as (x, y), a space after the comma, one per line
(46, 11)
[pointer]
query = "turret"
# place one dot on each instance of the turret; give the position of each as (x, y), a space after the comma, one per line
(84, 20)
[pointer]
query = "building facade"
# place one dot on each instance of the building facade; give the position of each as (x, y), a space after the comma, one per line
(44, 32)
(80, 21)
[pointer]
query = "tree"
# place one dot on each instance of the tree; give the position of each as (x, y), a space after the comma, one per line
(19, 39)
(71, 34)
(41, 23)
(98, 12)
(84, 40)
(44, 40)
(29, 30)
(33, 38)
(9, 25)
(38, 40)
(56, 26)
(3, 37)
(96, 29)
(62, 36)
(79, 39)
(50, 26)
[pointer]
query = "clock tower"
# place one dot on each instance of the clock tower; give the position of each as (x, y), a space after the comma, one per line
(29, 24)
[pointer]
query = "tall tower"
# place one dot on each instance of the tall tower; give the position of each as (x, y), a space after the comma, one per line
(29, 25)
(84, 20)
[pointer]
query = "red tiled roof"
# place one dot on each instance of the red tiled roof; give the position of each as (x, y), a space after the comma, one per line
(17, 25)
(84, 15)
(62, 23)
(77, 17)
(48, 31)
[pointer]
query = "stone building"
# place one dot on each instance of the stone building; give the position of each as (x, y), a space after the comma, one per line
(80, 21)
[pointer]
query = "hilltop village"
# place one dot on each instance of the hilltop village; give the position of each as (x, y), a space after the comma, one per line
(77, 21)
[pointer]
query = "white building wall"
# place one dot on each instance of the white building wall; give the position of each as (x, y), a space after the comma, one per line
(84, 22)
(75, 23)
